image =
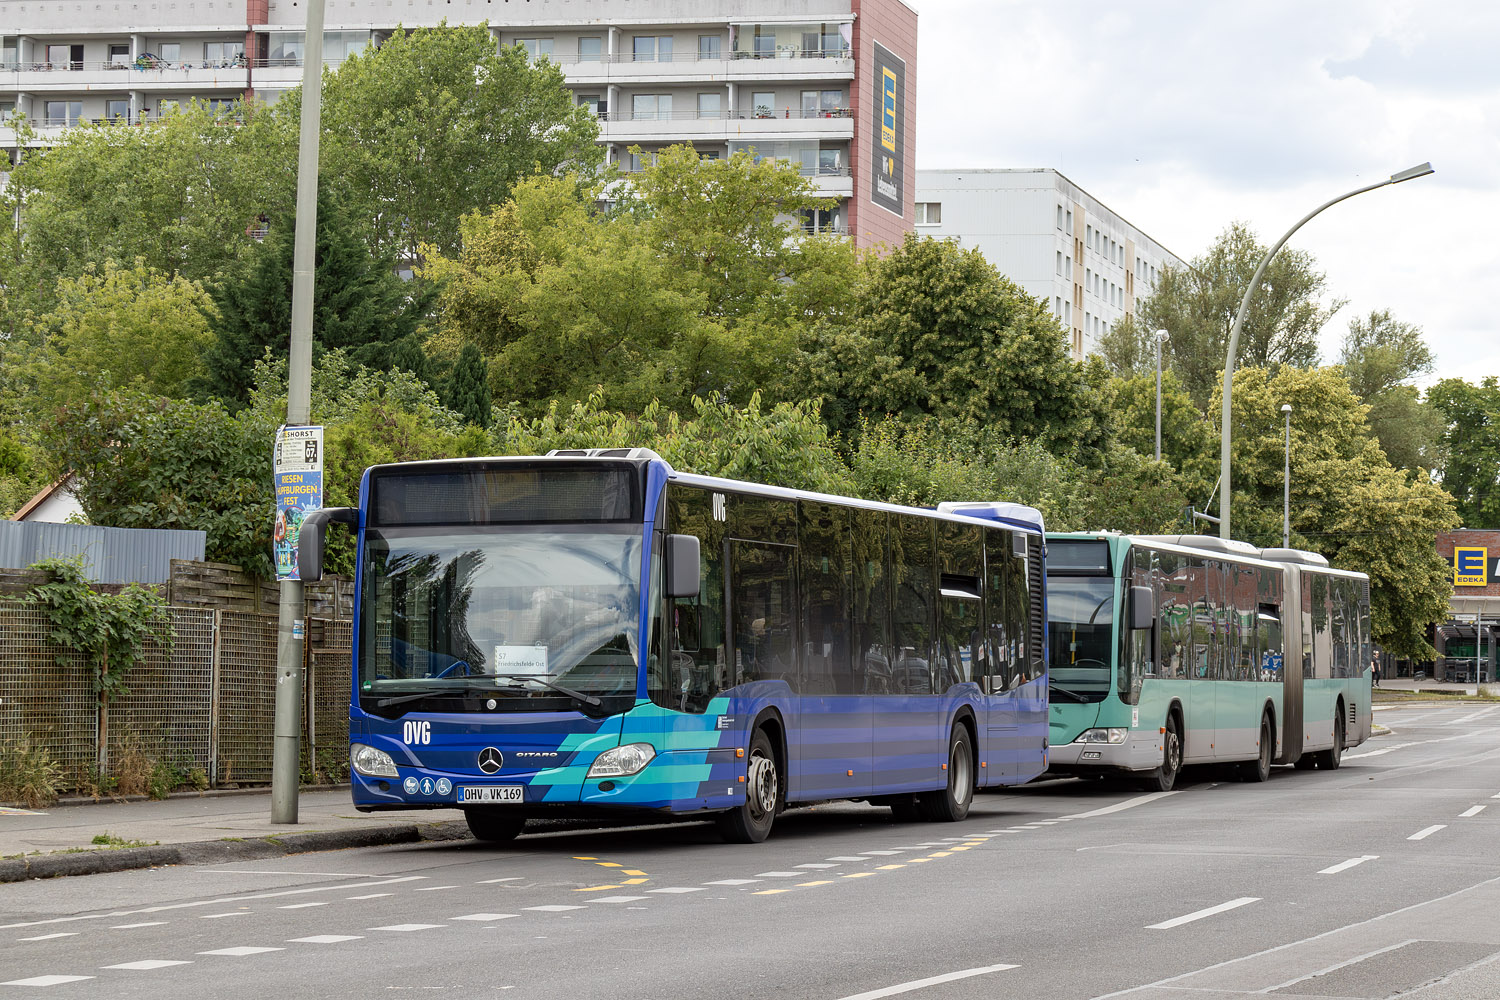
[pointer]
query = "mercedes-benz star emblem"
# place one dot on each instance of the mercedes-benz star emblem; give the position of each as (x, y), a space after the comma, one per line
(490, 760)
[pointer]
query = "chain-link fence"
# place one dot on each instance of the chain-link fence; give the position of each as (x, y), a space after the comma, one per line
(207, 705)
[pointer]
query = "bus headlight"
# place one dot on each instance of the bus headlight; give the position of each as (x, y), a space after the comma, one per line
(375, 763)
(1115, 736)
(621, 762)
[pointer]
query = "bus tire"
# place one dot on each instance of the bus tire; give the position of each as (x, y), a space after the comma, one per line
(1259, 769)
(951, 804)
(1330, 759)
(750, 822)
(494, 826)
(1164, 777)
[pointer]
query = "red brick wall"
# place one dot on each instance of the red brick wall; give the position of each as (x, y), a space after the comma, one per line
(894, 26)
(1489, 540)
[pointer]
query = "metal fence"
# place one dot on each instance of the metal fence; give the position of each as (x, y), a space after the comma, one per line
(208, 704)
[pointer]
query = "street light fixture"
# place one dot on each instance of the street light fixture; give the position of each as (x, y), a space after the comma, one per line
(1160, 338)
(1286, 482)
(1410, 173)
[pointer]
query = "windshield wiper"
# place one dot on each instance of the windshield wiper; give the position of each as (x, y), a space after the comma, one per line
(1067, 691)
(578, 696)
(440, 692)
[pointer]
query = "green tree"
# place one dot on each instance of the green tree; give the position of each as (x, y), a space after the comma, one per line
(468, 389)
(1189, 442)
(122, 327)
(1381, 357)
(1471, 447)
(359, 304)
(435, 124)
(1347, 501)
(1197, 305)
(936, 330)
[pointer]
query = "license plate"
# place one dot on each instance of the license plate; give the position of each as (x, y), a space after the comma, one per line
(492, 793)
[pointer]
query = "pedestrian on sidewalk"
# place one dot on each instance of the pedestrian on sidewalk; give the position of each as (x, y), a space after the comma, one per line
(1375, 669)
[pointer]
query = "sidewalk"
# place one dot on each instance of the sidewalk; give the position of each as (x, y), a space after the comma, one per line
(195, 829)
(1434, 687)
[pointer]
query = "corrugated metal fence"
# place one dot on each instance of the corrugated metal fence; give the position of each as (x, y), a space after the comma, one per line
(209, 703)
(110, 555)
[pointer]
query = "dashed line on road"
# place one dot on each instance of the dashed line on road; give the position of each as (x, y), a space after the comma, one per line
(1188, 918)
(147, 964)
(326, 938)
(1471, 811)
(1346, 865)
(1424, 834)
(918, 984)
(46, 980)
(241, 951)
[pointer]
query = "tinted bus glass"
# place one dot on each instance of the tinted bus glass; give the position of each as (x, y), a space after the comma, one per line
(1088, 557)
(512, 493)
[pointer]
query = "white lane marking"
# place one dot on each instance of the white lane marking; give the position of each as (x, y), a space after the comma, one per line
(149, 923)
(819, 864)
(216, 916)
(886, 854)
(845, 859)
(1346, 865)
(1477, 715)
(1415, 743)
(492, 881)
(1471, 811)
(1139, 800)
(147, 964)
(215, 902)
(918, 984)
(1495, 796)
(553, 908)
(619, 899)
(1424, 834)
(405, 928)
(46, 981)
(779, 874)
(484, 917)
(49, 937)
(734, 881)
(373, 895)
(679, 889)
(301, 906)
(1340, 965)
(1188, 918)
(240, 951)
(1102, 847)
(433, 888)
(261, 871)
(326, 939)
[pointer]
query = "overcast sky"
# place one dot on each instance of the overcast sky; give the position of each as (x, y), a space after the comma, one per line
(1184, 115)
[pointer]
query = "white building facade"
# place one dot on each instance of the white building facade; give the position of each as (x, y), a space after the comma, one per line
(828, 85)
(1049, 236)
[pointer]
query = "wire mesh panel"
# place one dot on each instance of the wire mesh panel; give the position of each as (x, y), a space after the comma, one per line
(53, 705)
(327, 715)
(247, 696)
(166, 713)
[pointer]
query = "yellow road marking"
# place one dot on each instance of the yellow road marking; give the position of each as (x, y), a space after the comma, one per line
(576, 858)
(918, 861)
(769, 892)
(860, 875)
(939, 854)
(635, 881)
(631, 871)
(959, 848)
(596, 888)
(886, 868)
(608, 864)
(803, 885)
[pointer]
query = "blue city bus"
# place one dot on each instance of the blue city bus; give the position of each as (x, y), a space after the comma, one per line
(593, 633)
(1168, 651)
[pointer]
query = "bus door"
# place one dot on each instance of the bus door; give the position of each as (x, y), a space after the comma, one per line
(1201, 656)
(833, 727)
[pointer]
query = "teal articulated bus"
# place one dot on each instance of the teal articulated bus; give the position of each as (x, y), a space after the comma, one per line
(1166, 651)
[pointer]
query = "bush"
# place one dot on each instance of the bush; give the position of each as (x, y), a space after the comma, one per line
(28, 774)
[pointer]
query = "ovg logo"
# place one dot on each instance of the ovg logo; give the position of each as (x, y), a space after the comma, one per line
(1469, 567)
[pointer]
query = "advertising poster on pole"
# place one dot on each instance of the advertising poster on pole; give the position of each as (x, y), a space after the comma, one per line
(299, 489)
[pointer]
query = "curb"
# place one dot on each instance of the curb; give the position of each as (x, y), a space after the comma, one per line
(223, 851)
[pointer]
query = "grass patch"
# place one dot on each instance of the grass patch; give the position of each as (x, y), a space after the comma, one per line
(1389, 696)
(108, 840)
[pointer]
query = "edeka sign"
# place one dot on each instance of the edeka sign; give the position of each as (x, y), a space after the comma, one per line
(889, 143)
(1469, 566)
(299, 489)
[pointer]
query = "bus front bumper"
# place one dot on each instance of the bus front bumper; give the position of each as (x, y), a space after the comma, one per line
(1141, 751)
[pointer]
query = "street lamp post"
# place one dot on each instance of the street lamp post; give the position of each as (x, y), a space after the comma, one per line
(1160, 338)
(1421, 170)
(1286, 482)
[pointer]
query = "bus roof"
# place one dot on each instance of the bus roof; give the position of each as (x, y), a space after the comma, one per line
(1200, 545)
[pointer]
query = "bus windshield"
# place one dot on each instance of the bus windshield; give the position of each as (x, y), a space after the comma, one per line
(1080, 614)
(447, 612)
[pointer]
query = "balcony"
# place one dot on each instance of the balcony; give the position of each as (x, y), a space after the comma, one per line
(687, 67)
(143, 74)
(660, 126)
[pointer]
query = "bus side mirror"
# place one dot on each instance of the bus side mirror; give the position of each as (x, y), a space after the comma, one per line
(682, 566)
(310, 540)
(1142, 608)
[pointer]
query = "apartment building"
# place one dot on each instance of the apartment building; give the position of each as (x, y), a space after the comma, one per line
(828, 85)
(1051, 237)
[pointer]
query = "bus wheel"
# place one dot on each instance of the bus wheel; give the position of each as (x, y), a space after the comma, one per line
(493, 825)
(1330, 759)
(951, 804)
(1165, 776)
(1306, 762)
(750, 823)
(1259, 769)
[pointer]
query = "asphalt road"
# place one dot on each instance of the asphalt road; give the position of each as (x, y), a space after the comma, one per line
(1376, 880)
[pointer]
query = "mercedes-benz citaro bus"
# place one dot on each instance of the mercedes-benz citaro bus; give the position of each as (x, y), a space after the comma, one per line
(592, 632)
(1175, 650)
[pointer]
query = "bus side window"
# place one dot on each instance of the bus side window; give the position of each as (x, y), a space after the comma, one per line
(1000, 672)
(823, 547)
(870, 603)
(912, 576)
(694, 668)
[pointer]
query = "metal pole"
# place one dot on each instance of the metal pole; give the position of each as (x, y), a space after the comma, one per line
(1286, 482)
(1161, 335)
(1420, 170)
(287, 746)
